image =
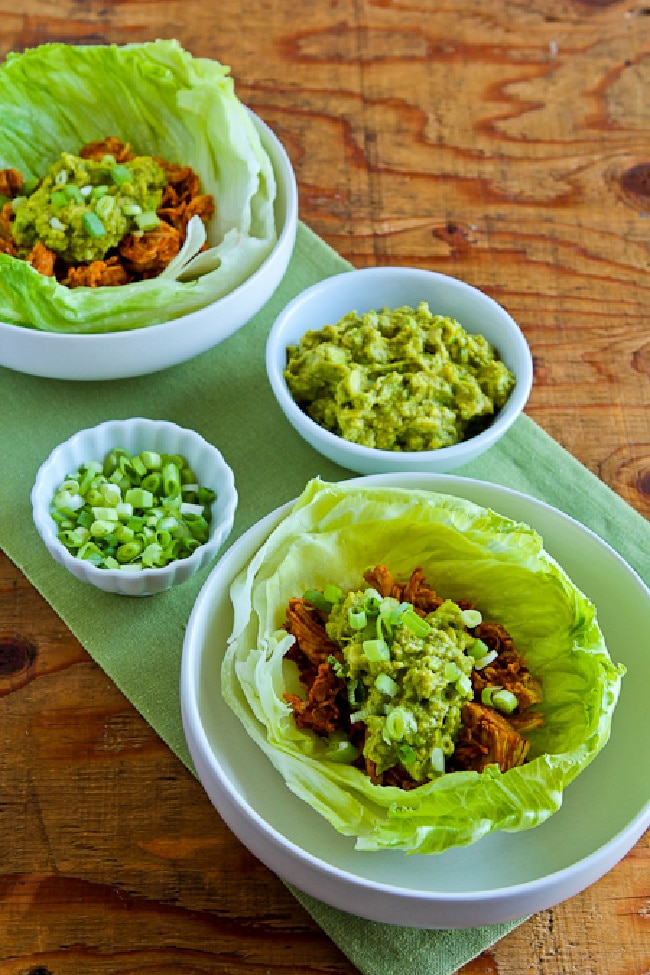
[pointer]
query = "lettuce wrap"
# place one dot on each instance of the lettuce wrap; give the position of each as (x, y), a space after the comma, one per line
(331, 535)
(165, 103)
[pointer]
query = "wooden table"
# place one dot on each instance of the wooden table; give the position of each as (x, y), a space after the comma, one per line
(507, 143)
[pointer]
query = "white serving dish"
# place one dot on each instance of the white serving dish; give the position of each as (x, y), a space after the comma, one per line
(118, 355)
(501, 877)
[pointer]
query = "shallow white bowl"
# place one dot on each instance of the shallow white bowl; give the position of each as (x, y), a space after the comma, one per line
(375, 288)
(503, 876)
(134, 435)
(117, 355)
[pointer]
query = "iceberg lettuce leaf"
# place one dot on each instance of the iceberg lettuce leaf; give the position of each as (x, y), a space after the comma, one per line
(165, 103)
(331, 535)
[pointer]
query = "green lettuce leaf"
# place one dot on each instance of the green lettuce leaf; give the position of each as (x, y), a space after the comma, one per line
(165, 103)
(331, 535)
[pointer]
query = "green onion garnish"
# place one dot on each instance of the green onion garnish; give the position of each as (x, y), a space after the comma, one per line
(93, 225)
(357, 618)
(376, 650)
(471, 618)
(59, 198)
(386, 685)
(121, 174)
(415, 623)
(504, 701)
(147, 221)
(333, 594)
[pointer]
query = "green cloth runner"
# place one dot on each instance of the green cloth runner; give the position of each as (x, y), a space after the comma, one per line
(224, 395)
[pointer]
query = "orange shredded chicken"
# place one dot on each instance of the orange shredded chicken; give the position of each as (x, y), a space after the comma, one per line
(42, 259)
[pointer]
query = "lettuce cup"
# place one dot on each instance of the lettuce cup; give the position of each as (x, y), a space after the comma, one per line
(161, 102)
(485, 570)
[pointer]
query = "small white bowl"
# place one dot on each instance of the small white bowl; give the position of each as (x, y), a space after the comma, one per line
(117, 355)
(135, 435)
(376, 288)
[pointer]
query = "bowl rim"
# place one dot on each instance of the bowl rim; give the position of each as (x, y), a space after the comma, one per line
(285, 176)
(45, 525)
(259, 835)
(501, 423)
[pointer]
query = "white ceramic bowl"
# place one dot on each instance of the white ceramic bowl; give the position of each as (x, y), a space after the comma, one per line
(135, 435)
(503, 876)
(117, 355)
(392, 287)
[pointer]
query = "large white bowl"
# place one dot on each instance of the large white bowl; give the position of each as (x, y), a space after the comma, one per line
(117, 355)
(376, 288)
(136, 434)
(504, 875)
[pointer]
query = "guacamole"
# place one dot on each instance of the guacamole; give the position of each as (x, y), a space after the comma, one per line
(84, 207)
(408, 684)
(401, 379)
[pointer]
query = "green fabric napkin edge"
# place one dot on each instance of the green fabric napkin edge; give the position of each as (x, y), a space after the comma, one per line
(375, 949)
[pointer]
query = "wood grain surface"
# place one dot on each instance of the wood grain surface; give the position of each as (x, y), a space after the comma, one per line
(503, 141)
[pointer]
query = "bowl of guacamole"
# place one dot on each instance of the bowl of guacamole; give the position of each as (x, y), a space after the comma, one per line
(386, 369)
(145, 212)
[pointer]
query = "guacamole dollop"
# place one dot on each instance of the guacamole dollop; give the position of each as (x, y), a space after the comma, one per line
(408, 685)
(402, 379)
(83, 207)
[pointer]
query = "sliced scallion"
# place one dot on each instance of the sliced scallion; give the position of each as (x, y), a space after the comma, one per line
(93, 225)
(416, 624)
(105, 516)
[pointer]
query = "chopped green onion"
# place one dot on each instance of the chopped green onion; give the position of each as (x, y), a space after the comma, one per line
(487, 659)
(505, 701)
(486, 695)
(151, 460)
(93, 225)
(131, 209)
(61, 177)
(97, 192)
(437, 759)
(94, 506)
(56, 224)
(386, 685)
(372, 602)
(471, 618)
(104, 207)
(376, 650)
(73, 193)
(59, 198)
(139, 498)
(121, 174)
(417, 625)
(478, 649)
(147, 221)
(333, 594)
(357, 618)
(399, 723)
